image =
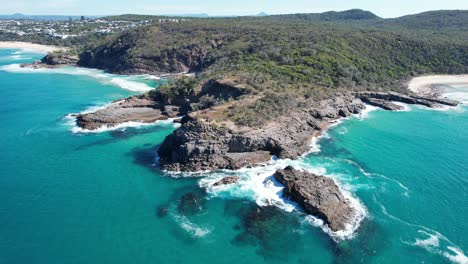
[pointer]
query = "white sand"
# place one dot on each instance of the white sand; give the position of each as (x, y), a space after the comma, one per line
(420, 85)
(29, 46)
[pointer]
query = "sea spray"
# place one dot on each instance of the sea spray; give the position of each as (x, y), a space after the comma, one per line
(258, 185)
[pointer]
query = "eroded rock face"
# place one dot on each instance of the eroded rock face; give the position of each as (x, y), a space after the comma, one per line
(318, 195)
(54, 60)
(135, 109)
(198, 145)
(381, 99)
(148, 108)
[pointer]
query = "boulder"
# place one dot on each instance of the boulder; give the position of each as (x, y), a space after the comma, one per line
(317, 195)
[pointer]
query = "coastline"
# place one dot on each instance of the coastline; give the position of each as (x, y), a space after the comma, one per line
(30, 46)
(422, 84)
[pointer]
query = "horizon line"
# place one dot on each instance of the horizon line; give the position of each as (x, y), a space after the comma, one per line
(207, 15)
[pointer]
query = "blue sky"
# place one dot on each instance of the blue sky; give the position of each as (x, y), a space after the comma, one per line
(382, 8)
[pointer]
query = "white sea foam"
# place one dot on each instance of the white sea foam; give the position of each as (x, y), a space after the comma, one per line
(433, 241)
(193, 229)
(365, 113)
(371, 175)
(314, 145)
(459, 96)
(343, 131)
(430, 241)
(439, 244)
(406, 107)
(124, 82)
(71, 122)
(259, 185)
(456, 255)
(350, 229)
(76, 130)
(15, 57)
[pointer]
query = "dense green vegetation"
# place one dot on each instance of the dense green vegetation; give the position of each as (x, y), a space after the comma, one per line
(284, 56)
(298, 53)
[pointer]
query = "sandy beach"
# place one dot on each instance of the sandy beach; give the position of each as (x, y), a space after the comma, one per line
(420, 85)
(29, 46)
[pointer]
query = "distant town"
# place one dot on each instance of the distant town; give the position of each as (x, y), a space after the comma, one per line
(74, 27)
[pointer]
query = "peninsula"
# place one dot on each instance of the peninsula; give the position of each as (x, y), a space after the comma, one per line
(265, 86)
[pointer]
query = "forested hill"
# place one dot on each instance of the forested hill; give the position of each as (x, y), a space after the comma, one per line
(443, 20)
(349, 50)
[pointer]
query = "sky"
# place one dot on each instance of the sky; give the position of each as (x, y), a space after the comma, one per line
(383, 8)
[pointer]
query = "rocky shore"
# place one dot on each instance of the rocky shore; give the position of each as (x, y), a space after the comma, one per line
(201, 144)
(132, 109)
(318, 196)
(52, 60)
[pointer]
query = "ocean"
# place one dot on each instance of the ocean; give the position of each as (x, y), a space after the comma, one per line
(71, 196)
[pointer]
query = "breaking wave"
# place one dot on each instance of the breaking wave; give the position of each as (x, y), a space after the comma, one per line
(193, 229)
(125, 82)
(431, 240)
(259, 185)
(71, 122)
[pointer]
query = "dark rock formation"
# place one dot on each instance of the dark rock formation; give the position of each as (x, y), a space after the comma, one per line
(226, 181)
(162, 211)
(318, 195)
(120, 57)
(137, 109)
(269, 228)
(384, 104)
(53, 60)
(56, 59)
(378, 98)
(154, 106)
(199, 145)
(191, 203)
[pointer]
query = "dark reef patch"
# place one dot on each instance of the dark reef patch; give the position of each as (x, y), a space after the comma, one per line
(270, 229)
(145, 156)
(370, 239)
(162, 211)
(191, 203)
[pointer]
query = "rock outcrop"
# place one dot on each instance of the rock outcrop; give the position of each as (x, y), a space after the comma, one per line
(383, 99)
(317, 195)
(53, 60)
(201, 145)
(56, 59)
(154, 106)
(226, 181)
(134, 109)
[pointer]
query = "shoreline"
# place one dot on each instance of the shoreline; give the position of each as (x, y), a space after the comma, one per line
(423, 84)
(30, 46)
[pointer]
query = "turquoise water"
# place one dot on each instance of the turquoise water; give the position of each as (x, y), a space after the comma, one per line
(97, 198)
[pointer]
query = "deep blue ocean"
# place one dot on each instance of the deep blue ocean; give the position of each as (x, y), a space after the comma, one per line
(74, 197)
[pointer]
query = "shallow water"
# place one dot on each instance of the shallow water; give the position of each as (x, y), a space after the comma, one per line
(97, 197)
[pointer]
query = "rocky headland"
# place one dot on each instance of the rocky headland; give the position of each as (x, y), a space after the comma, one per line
(54, 60)
(204, 141)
